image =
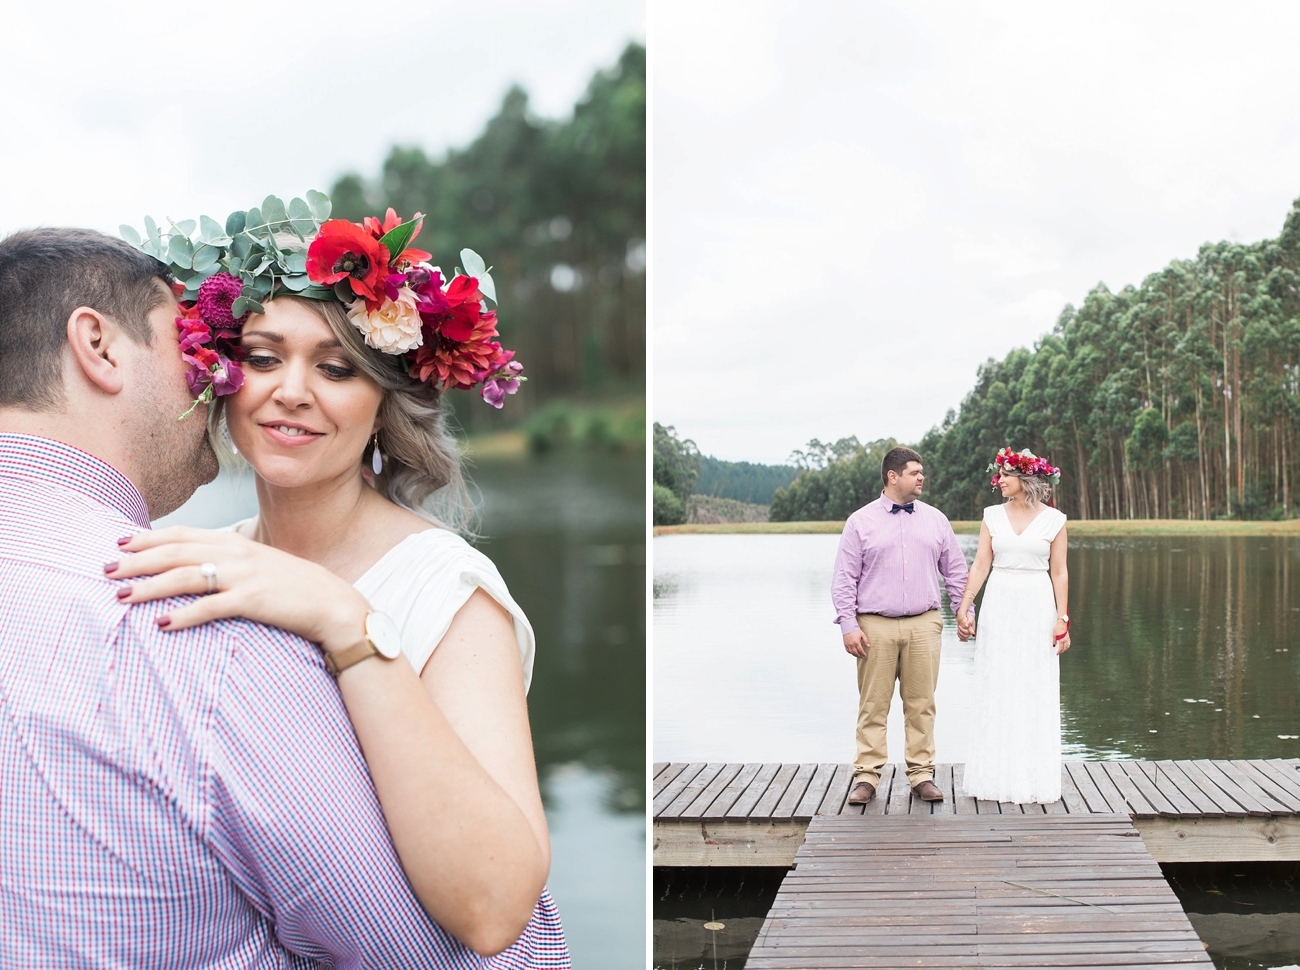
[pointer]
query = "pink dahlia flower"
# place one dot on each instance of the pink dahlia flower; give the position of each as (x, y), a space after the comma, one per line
(216, 296)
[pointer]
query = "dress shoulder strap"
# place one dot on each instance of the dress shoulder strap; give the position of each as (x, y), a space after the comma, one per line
(1055, 522)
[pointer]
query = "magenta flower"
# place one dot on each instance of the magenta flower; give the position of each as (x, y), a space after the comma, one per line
(216, 296)
(503, 381)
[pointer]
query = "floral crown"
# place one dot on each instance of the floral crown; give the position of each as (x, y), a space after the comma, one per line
(440, 328)
(1022, 463)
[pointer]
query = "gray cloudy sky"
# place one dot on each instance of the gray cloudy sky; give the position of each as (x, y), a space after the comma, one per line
(855, 203)
(112, 111)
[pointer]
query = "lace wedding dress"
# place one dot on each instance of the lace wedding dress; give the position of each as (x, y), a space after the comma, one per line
(1016, 754)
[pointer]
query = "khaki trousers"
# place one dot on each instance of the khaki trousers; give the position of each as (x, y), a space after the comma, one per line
(903, 649)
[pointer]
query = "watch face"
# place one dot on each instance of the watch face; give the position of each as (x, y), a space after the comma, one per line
(383, 633)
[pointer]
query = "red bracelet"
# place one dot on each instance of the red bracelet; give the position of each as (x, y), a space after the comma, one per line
(1063, 635)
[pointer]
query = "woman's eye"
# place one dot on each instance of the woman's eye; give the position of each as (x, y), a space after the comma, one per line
(338, 371)
(260, 361)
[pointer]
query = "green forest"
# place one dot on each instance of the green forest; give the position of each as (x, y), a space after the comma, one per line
(557, 208)
(1176, 398)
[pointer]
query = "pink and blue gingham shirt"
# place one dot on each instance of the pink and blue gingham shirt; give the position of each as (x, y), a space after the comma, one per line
(887, 562)
(192, 799)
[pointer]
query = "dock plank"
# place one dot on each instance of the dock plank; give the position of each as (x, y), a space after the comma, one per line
(728, 797)
(837, 793)
(665, 777)
(669, 792)
(817, 788)
(1221, 798)
(765, 805)
(900, 794)
(975, 890)
(877, 805)
(794, 793)
(1257, 773)
(1216, 772)
(964, 804)
(1171, 774)
(1097, 772)
(704, 798)
(692, 789)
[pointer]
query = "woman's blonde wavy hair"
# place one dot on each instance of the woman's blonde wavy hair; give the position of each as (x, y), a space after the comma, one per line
(421, 458)
(1038, 490)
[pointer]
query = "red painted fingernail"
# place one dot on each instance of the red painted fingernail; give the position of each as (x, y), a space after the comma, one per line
(124, 540)
(164, 621)
(124, 592)
(110, 566)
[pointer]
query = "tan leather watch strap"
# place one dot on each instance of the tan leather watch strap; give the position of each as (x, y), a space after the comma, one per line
(336, 663)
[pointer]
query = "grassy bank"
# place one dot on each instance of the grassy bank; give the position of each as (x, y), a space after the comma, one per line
(1090, 527)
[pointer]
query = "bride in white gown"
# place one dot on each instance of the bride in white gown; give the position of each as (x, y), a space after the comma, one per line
(1023, 627)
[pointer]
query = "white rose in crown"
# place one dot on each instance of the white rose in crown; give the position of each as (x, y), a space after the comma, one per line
(395, 327)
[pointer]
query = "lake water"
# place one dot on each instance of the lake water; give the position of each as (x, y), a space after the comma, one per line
(568, 534)
(1183, 647)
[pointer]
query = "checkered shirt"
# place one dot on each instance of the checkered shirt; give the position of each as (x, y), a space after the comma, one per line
(192, 799)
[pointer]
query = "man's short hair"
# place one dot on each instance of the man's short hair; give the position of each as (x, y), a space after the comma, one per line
(47, 273)
(896, 460)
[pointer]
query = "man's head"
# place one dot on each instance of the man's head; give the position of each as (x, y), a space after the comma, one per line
(902, 474)
(89, 355)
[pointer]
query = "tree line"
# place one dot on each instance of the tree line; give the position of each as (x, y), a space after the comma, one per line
(1175, 398)
(558, 209)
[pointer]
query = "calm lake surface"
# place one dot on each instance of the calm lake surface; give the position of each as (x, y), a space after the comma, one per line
(568, 534)
(1183, 647)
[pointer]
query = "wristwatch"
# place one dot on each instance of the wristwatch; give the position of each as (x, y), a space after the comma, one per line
(382, 639)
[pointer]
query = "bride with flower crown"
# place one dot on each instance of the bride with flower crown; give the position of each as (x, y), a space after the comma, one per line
(1023, 628)
(325, 348)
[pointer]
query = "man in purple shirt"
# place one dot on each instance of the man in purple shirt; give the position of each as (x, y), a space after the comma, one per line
(887, 605)
(191, 799)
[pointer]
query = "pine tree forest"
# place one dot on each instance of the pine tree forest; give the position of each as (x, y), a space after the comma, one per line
(1177, 398)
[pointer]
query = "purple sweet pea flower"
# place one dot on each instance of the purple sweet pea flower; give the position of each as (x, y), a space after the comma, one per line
(227, 376)
(504, 381)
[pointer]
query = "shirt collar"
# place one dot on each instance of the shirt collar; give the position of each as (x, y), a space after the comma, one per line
(47, 460)
(889, 503)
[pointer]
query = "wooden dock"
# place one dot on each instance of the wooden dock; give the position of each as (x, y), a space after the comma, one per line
(1185, 811)
(976, 890)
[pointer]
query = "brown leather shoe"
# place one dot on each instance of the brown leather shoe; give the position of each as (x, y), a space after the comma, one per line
(927, 791)
(862, 793)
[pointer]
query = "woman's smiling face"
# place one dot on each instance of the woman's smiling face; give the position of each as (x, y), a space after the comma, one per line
(305, 412)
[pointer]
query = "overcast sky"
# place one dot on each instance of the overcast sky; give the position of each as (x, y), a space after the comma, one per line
(857, 203)
(112, 111)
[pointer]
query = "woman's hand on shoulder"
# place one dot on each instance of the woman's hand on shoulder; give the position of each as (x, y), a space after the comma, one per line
(252, 580)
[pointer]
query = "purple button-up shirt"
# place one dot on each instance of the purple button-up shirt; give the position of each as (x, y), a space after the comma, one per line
(191, 799)
(887, 562)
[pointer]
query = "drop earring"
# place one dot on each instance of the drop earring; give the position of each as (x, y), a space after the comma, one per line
(376, 459)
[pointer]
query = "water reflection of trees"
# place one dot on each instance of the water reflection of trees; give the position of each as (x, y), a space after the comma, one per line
(1161, 620)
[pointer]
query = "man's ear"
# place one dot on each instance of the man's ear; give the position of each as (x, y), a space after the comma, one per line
(96, 342)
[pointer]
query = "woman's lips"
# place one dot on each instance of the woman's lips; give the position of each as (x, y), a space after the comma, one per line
(296, 439)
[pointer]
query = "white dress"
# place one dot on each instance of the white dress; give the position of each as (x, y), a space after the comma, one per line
(1016, 754)
(424, 580)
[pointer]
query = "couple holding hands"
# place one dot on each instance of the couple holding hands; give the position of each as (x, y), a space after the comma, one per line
(887, 605)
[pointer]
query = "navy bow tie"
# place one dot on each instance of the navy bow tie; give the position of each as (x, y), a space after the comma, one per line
(902, 508)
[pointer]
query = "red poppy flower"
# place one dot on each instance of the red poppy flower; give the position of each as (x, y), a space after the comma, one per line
(344, 250)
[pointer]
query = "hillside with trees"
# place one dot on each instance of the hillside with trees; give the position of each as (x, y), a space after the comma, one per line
(1175, 398)
(558, 209)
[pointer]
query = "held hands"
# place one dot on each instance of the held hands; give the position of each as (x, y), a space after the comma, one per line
(253, 580)
(856, 644)
(965, 623)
